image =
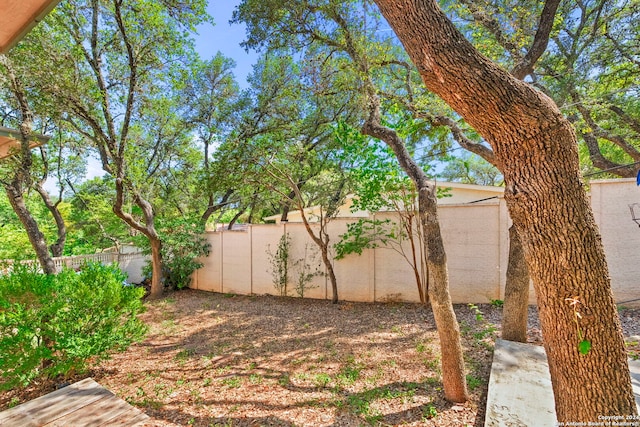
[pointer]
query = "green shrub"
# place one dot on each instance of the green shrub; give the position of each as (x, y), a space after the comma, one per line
(57, 325)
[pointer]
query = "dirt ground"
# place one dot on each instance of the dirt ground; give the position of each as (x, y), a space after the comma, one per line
(226, 360)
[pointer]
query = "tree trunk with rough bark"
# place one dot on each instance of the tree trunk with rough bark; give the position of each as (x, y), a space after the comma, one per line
(156, 274)
(33, 231)
(515, 312)
(147, 228)
(453, 371)
(536, 150)
(21, 179)
(56, 248)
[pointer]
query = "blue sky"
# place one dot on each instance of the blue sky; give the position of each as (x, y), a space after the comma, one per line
(226, 38)
(222, 37)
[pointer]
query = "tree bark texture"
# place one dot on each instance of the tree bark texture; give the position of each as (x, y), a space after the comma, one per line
(33, 231)
(156, 262)
(536, 150)
(453, 371)
(148, 229)
(515, 312)
(56, 248)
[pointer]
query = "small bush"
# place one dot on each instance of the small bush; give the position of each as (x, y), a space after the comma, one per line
(280, 264)
(183, 244)
(56, 325)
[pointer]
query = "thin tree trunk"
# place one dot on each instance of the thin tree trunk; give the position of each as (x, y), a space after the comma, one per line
(454, 380)
(211, 208)
(235, 218)
(330, 271)
(148, 229)
(536, 150)
(322, 240)
(414, 265)
(21, 179)
(156, 275)
(515, 313)
(453, 371)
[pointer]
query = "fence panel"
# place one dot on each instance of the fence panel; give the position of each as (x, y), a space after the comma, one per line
(236, 262)
(209, 276)
(471, 235)
(610, 200)
(355, 275)
(303, 249)
(394, 276)
(265, 237)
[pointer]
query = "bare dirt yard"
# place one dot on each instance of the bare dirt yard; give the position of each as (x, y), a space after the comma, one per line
(222, 360)
(226, 360)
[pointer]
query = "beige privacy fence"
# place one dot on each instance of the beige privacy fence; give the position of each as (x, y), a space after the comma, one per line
(473, 235)
(475, 238)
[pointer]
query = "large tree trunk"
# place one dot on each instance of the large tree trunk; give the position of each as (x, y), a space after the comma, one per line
(21, 179)
(453, 371)
(536, 150)
(515, 313)
(33, 231)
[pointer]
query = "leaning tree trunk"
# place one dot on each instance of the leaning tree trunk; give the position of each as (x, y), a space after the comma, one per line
(453, 375)
(36, 237)
(331, 273)
(56, 248)
(515, 313)
(148, 229)
(453, 371)
(322, 240)
(536, 150)
(21, 180)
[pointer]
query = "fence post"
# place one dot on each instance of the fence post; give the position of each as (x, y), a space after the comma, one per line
(503, 246)
(250, 259)
(222, 261)
(372, 267)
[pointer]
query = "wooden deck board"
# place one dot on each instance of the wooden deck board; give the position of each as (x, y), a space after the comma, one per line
(85, 403)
